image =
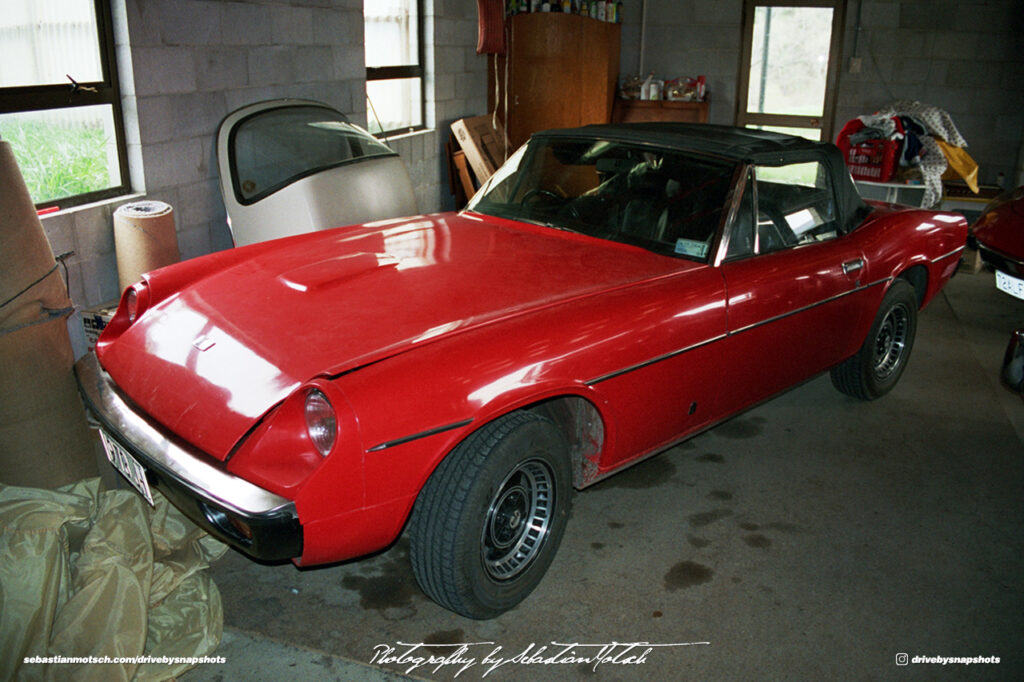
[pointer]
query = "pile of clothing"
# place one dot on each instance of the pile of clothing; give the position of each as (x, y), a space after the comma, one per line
(924, 138)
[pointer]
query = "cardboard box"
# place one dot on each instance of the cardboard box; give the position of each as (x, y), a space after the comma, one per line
(95, 321)
(483, 144)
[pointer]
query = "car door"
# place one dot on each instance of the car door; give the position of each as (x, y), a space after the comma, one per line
(793, 282)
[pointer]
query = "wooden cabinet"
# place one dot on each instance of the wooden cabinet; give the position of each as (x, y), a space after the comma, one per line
(638, 111)
(562, 72)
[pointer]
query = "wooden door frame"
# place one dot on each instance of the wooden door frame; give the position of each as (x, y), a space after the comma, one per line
(826, 122)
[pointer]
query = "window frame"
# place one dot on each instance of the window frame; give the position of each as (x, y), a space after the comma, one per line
(751, 188)
(86, 93)
(417, 70)
(826, 122)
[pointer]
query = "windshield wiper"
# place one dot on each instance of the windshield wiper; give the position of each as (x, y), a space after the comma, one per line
(554, 226)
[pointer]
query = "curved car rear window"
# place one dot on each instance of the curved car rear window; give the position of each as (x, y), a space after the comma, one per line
(272, 149)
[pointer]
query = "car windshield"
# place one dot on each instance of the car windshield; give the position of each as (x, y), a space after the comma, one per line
(666, 201)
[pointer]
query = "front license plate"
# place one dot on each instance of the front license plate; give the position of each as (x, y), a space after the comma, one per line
(1011, 285)
(127, 465)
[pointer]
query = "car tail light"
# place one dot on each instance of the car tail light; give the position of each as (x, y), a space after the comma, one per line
(321, 421)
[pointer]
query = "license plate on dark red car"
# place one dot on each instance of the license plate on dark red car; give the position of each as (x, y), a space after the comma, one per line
(1011, 285)
(127, 465)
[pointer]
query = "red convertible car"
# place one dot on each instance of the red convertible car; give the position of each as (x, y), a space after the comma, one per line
(611, 291)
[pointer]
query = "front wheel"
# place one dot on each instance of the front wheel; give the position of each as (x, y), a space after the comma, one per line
(489, 520)
(880, 362)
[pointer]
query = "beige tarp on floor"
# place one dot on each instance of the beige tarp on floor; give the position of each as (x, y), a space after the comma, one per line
(86, 572)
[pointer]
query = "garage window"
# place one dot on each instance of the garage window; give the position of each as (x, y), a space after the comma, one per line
(394, 65)
(789, 65)
(60, 106)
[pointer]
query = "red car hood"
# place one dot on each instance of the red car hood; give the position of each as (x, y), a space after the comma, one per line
(210, 360)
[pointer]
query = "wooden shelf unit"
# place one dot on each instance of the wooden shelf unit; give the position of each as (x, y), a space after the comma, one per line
(637, 111)
(563, 72)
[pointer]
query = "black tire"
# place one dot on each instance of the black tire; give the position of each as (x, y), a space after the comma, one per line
(473, 547)
(874, 370)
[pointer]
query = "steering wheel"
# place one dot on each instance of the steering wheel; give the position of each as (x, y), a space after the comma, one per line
(538, 192)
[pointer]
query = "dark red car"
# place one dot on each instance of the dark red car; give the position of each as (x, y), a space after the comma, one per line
(999, 237)
(610, 292)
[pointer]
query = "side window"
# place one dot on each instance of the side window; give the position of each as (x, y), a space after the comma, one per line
(795, 205)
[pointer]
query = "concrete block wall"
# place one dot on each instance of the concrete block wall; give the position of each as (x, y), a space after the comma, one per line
(686, 39)
(185, 64)
(962, 56)
(455, 87)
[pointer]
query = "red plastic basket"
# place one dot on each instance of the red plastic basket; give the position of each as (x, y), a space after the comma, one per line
(872, 160)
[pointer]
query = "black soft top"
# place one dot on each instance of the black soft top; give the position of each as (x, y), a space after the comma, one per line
(738, 145)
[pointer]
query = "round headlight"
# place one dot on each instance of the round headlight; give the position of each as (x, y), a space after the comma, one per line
(321, 421)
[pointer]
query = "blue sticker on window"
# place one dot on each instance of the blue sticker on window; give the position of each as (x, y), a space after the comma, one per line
(691, 247)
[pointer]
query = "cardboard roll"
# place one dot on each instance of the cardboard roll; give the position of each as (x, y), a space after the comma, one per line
(144, 239)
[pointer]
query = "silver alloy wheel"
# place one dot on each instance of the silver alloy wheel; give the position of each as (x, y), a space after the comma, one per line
(518, 520)
(891, 341)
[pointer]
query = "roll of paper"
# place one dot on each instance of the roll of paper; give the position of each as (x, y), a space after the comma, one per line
(144, 238)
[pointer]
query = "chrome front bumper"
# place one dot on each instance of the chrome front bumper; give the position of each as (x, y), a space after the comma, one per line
(218, 501)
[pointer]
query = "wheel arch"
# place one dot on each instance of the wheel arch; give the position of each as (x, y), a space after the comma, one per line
(583, 427)
(917, 276)
(577, 417)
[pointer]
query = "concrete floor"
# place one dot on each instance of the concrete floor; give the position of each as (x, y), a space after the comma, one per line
(814, 537)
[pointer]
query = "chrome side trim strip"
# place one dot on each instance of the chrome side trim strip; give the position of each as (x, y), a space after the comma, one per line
(732, 332)
(954, 252)
(421, 434)
(166, 455)
(812, 306)
(647, 363)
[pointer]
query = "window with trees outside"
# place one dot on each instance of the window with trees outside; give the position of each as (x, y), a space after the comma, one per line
(394, 65)
(60, 107)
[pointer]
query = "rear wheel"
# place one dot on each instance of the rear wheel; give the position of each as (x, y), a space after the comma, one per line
(489, 520)
(878, 365)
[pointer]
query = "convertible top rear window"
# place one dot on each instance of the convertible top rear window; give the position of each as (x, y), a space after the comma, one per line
(275, 147)
(666, 201)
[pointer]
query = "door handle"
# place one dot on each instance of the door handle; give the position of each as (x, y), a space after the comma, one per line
(853, 265)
